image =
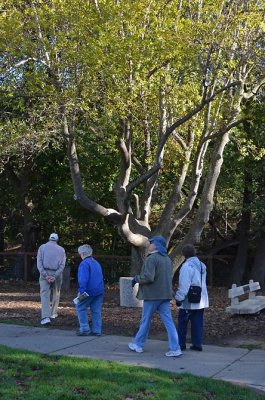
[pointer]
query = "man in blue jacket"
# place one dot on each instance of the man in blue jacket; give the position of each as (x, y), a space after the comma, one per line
(90, 282)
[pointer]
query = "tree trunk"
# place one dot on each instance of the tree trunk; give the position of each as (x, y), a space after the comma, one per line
(21, 182)
(203, 213)
(137, 258)
(29, 233)
(240, 264)
(2, 241)
(258, 270)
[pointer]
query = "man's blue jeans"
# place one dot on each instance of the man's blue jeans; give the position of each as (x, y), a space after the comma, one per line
(196, 320)
(95, 304)
(163, 308)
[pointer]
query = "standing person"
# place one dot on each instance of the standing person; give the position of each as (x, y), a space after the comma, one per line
(155, 288)
(192, 272)
(50, 263)
(90, 282)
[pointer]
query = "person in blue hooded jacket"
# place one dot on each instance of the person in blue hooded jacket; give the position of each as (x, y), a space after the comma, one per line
(155, 288)
(192, 272)
(90, 281)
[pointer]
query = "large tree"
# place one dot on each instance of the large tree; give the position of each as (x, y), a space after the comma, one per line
(239, 198)
(162, 82)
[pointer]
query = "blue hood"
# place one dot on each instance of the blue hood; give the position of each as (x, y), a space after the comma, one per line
(160, 244)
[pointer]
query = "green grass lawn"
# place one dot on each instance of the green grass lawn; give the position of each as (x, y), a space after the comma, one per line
(33, 376)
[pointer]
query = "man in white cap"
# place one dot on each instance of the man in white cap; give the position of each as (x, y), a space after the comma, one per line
(50, 263)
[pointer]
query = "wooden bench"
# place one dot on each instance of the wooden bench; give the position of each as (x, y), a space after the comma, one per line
(252, 305)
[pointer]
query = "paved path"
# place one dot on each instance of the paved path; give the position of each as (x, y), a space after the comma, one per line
(236, 365)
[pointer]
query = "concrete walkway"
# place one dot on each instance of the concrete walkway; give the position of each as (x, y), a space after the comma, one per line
(237, 365)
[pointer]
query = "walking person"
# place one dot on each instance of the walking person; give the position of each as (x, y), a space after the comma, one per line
(155, 288)
(90, 293)
(50, 263)
(192, 272)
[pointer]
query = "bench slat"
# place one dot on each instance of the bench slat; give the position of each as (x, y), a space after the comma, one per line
(239, 290)
(252, 305)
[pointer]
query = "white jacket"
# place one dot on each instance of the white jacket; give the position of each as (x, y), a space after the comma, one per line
(190, 274)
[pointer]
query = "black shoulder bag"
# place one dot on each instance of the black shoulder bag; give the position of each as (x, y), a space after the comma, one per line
(194, 293)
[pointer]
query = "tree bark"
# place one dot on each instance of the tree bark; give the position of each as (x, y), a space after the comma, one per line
(203, 213)
(258, 270)
(2, 238)
(240, 264)
(137, 258)
(21, 182)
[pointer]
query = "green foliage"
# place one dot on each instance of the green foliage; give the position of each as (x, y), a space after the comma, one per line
(100, 63)
(246, 153)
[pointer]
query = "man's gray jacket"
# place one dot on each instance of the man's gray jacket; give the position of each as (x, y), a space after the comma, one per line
(155, 279)
(51, 256)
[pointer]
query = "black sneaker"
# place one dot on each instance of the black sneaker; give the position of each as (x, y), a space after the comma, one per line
(196, 348)
(183, 347)
(78, 333)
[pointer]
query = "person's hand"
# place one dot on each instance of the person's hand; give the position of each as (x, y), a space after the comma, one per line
(50, 278)
(134, 282)
(172, 304)
(178, 303)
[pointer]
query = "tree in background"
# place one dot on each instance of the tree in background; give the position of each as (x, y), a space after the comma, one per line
(25, 132)
(239, 202)
(37, 190)
(255, 149)
(162, 84)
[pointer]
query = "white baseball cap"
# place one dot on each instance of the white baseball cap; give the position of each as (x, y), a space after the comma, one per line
(54, 236)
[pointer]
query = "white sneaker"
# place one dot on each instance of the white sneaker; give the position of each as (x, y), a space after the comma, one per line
(45, 321)
(134, 347)
(173, 353)
(53, 316)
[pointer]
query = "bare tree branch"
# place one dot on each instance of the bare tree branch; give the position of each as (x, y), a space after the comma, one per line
(255, 90)
(142, 179)
(137, 164)
(193, 112)
(222, 131)
(79, 195)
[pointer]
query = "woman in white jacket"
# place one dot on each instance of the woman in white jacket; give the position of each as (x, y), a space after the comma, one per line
(192, 272)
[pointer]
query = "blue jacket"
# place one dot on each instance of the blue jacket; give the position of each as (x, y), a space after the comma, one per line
(90, 277)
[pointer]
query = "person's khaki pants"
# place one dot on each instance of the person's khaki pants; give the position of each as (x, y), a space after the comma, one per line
(50, 295)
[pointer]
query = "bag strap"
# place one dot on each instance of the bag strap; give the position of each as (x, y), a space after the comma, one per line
(201, 274)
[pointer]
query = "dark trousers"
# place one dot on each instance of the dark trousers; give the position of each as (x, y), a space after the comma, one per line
(196, 320)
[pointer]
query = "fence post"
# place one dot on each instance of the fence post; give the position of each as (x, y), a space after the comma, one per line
(66, 278)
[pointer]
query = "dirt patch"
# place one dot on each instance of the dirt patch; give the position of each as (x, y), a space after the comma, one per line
(20, 303)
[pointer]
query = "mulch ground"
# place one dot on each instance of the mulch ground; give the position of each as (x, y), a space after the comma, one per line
(20, 303)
